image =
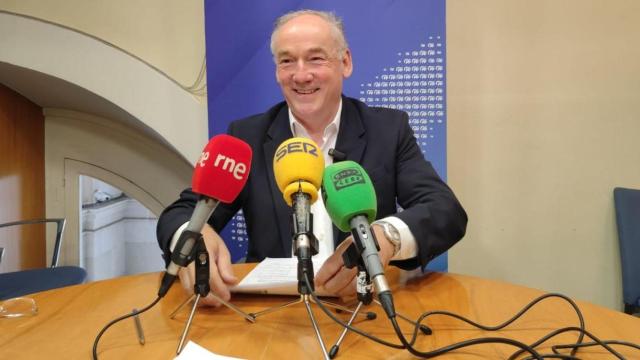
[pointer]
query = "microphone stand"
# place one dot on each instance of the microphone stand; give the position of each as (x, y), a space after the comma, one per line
(352, 257)
(202, 288)
(305, 245)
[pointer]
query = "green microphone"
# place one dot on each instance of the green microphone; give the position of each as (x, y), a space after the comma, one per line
(347, 192)
(350, 200)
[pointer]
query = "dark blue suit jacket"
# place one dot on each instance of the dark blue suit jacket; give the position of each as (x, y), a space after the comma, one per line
(380, 140)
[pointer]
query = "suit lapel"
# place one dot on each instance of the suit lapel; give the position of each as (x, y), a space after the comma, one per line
(351, 141)
(278, 132)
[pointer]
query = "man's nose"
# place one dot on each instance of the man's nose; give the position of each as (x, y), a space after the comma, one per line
(302, 72)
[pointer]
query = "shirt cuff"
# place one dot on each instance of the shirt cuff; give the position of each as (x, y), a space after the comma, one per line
(408, 244)
(176, 236)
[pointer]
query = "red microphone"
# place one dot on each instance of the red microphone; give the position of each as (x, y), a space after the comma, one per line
(222, 169)
(219, 175)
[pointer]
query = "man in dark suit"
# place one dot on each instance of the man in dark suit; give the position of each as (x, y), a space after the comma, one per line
(312, 59)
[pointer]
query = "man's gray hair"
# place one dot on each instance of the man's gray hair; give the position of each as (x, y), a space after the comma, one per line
(334, 21)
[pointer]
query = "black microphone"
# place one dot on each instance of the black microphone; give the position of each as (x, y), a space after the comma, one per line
(337, 155)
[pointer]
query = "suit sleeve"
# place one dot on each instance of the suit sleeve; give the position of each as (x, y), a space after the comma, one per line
(431, 210)
(180, 212)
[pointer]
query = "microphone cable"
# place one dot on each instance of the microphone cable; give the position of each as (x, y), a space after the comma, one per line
(114, 321)
(509, 321)
(594, 343)
(522, 347)
(406, 345)
(581, 330)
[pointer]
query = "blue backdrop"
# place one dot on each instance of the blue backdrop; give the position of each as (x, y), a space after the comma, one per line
(398, 50)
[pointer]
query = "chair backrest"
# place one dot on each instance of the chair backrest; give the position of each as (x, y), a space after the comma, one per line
(60, 225)
(20, 283)
(627, 204)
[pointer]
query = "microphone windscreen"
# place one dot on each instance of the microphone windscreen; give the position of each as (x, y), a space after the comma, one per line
(347, 191)
(298, 161)
(223, 168)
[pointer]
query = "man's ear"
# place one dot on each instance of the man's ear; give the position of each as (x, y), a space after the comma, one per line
(347, 64)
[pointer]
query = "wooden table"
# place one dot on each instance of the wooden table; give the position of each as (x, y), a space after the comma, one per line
(70, 318)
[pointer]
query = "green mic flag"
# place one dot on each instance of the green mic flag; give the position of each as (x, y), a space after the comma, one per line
(347, 192)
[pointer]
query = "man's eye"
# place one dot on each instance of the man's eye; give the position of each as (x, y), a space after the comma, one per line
(285, 61)
(317, 59)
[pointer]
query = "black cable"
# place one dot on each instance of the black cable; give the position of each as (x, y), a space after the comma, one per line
(461, 344)
(575, 346)
(345, 325)
(507, 322)
(504, 324)
(112, 322)
(406, 345)
(523, 347)
(578, 313)
(608, 342)
(558, 356)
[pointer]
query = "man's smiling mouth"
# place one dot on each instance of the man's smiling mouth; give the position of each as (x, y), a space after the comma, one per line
(305, 91)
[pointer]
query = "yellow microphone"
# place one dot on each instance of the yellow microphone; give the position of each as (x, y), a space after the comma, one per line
(298, 166)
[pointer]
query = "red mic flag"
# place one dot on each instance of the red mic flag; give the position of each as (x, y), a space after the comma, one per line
(223, 168)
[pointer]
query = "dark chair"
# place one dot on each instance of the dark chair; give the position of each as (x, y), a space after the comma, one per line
(627, 203)
(19, 283)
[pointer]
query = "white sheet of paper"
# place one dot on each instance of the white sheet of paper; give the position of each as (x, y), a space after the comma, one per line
(277, 276)
(195, 351)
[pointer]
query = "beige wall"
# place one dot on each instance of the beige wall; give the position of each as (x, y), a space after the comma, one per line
(166, 34)
(544, 119)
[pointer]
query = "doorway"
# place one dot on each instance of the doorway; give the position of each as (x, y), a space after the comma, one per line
(117, 232)
(111, 231)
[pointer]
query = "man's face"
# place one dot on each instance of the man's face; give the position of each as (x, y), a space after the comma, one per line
(310, 69)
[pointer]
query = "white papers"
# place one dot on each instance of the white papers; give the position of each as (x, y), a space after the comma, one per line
(195, 351)
(275, 276)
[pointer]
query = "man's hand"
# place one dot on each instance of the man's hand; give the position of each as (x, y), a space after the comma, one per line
(221, 275)
(335, 278)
